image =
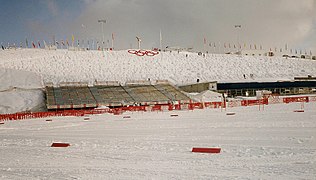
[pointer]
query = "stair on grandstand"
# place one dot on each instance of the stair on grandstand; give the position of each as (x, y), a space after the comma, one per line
(80, 95)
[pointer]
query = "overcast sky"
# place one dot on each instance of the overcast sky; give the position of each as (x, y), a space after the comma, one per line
(184, 23)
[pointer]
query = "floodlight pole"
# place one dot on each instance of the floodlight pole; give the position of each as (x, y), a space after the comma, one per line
(238, 26)
(139, 41)
(102, 21)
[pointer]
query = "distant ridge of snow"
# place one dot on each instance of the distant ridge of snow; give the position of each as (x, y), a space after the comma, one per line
(90, 66)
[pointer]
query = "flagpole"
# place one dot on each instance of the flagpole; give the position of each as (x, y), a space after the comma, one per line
(160, 43)
(112, 41)
(160, 39)
(26, 43)
(204, 41)
(219, 47)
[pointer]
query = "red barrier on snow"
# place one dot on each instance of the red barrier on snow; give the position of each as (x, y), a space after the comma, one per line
(30, 115)
(1, 122)
(230, 113)
(174, 115)
(157, 107)
(196, 105)
(301, 110)
(206, 150)
(60, 145)
(296, 99)
(49, 120)
(86, 119)
(254, 102)
(177, 107)
(213, 104)
(143, 52)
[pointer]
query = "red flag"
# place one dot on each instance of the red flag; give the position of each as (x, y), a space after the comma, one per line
(33, 44)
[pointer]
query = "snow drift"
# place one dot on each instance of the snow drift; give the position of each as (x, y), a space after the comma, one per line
(21, 100)
(12, 78)
(20, 91)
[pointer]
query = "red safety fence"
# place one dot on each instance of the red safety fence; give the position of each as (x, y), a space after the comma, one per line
(196, 105)
(275, 100)
(312, 98)
(235, 103)
(296, 99)
(31, 115)
(254, 102)
(157, 107)
(214, 104)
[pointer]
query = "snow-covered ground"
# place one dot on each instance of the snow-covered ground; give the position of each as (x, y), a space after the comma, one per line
(24, 71)
(88, 66)
(276, 143)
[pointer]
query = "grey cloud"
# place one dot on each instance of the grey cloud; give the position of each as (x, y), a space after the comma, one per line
(271, 23)
(52, 7)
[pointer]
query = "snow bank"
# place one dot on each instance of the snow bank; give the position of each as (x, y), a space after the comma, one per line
(21, 100)
(206, 96)
(20, 91)
(87, 66)
(11, 78)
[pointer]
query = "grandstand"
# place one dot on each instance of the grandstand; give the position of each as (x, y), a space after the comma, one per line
(76, 95)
